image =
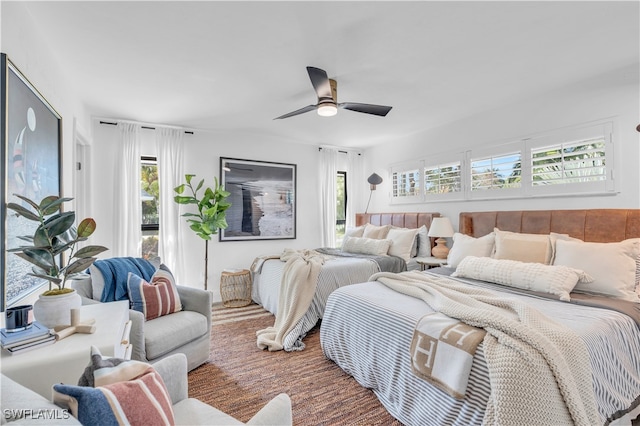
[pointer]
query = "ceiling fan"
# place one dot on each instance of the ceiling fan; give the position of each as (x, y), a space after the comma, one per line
(327, 91)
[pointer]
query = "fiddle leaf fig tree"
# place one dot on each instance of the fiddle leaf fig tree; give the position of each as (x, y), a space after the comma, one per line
(210, 216)
(54, 236)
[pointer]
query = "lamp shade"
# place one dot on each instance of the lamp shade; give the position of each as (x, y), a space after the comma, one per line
(374, 179)
(441, 228)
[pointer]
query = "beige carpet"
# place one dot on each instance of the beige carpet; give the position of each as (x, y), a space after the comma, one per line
(240, 378)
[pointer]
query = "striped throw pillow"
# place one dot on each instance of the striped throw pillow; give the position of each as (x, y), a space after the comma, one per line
(142, 400)
(157, 298)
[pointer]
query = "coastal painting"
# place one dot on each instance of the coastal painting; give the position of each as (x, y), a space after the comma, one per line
(263, 200)
(31, 137)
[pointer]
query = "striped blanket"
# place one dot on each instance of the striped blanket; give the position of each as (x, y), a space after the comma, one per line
(521, 346)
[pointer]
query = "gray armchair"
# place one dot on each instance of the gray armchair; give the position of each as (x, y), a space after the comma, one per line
(187, 331)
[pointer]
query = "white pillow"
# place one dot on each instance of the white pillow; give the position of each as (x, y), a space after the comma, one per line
(97, 282)
(373, 231)
(558, 280)
(402, 242)
(353, 232)
(366, 246)
(424, 242)
(464, 245)
(535, 248)
(612, 265)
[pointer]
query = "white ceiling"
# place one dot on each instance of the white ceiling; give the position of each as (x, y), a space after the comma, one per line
(234, 66)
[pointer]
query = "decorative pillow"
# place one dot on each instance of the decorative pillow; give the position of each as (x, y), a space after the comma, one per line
(557, 280)
(376, 232)
(366, 246)
(142, 399)
(464, 245)
(157, 298)
(402, 242)
(97, 282)
(534, 248)
(424, 242)
(110, 369)
(614, 266)
(353, 232)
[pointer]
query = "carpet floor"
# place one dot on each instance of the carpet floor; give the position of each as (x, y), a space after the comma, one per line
(240, 378)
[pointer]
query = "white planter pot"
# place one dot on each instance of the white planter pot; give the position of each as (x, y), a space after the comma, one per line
(56, 310)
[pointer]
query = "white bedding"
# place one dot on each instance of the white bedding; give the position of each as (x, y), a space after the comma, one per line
(336, 272)
(367, 330)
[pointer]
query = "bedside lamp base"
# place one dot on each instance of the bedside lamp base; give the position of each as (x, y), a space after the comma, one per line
(440, 251)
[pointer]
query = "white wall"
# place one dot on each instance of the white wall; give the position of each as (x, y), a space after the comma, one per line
(22, 41)
(616, 95)
(202, 158)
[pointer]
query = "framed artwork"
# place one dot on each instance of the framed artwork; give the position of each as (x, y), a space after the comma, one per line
(31, 162)
(263, 200)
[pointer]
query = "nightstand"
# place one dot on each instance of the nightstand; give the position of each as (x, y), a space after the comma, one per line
(430, 262)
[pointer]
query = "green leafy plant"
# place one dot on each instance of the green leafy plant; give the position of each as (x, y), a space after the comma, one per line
(211, 215)
(54, 236)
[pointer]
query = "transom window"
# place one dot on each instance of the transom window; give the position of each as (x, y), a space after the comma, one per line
(442, 179)
(572, 161)
(496, 172)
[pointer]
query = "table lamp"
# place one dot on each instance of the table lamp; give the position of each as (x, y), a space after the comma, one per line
(441, 229)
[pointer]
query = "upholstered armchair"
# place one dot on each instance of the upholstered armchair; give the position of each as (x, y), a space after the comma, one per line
(187, 331)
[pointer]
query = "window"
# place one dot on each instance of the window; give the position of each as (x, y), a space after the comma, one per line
(572, 161)
(496, 172)
(576, 161)
(442, 179)
(341, 206)
(150, 195)
(406, 182)
(581, 161)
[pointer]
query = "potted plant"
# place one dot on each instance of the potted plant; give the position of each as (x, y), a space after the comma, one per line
(211, 214)
(54, 236)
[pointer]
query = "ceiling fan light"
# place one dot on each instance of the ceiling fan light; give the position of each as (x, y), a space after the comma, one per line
(327, 110)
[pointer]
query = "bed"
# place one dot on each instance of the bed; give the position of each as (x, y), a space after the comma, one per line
(340, 269)
(369, 328)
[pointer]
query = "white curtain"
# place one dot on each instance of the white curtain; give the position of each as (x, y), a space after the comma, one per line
(328, 172)
(127, 204)
(355, 183)
(170, 148)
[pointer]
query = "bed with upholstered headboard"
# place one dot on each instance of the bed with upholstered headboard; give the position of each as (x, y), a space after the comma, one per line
(379, 242)
(595, 225)
(577, 269)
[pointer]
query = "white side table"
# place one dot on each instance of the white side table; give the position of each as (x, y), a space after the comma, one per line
(66, 359)
(430, 262)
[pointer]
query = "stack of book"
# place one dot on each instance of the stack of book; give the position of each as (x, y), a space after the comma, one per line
(34, 337)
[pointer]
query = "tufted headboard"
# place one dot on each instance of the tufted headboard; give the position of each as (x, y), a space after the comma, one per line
(596, 225)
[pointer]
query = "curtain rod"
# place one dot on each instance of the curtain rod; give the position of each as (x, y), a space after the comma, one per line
(189, 132)
(341, 152)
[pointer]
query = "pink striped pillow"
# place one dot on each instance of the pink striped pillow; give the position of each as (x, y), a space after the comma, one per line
(142, 400)
(157, 298)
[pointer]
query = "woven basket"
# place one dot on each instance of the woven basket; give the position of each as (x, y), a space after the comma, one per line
(235, 288)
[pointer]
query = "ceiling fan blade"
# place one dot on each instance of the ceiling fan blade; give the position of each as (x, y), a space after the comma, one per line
(298, 111)
(380, 110)
(320, 82)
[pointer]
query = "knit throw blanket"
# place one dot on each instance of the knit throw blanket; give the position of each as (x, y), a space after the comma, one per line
(538, 370)
(297, 288)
